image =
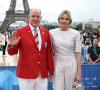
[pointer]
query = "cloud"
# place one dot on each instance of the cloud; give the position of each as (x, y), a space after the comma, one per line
(81, 10)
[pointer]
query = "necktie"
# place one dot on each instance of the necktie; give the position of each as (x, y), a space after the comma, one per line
(36, 37)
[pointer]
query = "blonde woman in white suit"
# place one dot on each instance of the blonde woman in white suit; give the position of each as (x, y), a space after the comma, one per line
(67, 56)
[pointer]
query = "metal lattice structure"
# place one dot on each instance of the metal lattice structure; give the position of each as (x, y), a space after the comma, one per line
(12, 15)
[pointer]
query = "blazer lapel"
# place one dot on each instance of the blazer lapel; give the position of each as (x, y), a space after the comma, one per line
(29, 32)
(42, 37)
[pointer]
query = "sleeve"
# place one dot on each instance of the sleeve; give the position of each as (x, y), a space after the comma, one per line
(82, 51)
(83, 54)
(50, 56)
(99, 50)
(51, 41)
(88, 51)
(77, 43)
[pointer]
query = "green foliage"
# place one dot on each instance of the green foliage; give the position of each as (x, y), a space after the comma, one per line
(49, 26)
(88, 27)
(98, 28)
(79, 26)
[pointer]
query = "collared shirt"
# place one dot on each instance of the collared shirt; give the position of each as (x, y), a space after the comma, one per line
(39, 34)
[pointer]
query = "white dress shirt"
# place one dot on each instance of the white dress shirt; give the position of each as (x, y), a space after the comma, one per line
(39, 34)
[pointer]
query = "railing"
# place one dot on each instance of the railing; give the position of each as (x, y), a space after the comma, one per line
(90, 77)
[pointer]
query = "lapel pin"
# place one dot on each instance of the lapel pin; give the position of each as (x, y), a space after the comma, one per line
(42, 32)
(28, 31)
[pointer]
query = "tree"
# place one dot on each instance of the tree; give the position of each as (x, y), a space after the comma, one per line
(79, 26)
(88, 27)
(98, 28)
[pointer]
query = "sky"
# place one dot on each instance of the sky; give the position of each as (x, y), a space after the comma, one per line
(81, 10)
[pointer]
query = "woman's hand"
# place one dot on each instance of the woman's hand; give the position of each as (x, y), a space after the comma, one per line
(78, 77)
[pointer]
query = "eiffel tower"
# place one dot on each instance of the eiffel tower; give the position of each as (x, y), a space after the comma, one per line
(12, 15)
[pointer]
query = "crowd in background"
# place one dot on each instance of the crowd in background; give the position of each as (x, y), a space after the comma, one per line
(90, 50)
(89, 53)
(3, 43)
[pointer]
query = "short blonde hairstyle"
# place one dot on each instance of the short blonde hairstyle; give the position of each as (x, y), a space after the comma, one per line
(67, 13)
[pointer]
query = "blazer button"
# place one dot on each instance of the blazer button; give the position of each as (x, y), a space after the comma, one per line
(39, 53)
(38, 62)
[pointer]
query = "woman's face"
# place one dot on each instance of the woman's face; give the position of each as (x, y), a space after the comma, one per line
(64, 20)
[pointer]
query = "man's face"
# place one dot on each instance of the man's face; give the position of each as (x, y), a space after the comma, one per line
(95, 42)
(87, 41)
(35, 17)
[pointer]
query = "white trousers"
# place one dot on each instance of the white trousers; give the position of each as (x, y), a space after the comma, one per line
(33, 84)
(64, 74)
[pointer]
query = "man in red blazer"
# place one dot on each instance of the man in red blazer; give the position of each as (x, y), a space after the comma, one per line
(35, 62)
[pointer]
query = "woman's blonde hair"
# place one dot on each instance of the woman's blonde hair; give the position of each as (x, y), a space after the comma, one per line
(67, 13)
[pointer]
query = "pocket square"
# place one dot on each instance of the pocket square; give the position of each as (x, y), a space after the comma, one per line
(45, 44)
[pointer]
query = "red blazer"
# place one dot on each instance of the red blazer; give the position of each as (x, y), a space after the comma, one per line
(31, 60)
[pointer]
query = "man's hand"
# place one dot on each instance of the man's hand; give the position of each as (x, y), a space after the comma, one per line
(13, 40)
(49, 77)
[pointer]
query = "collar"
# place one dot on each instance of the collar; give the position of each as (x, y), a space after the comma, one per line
(95, 48)
(32, 28)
